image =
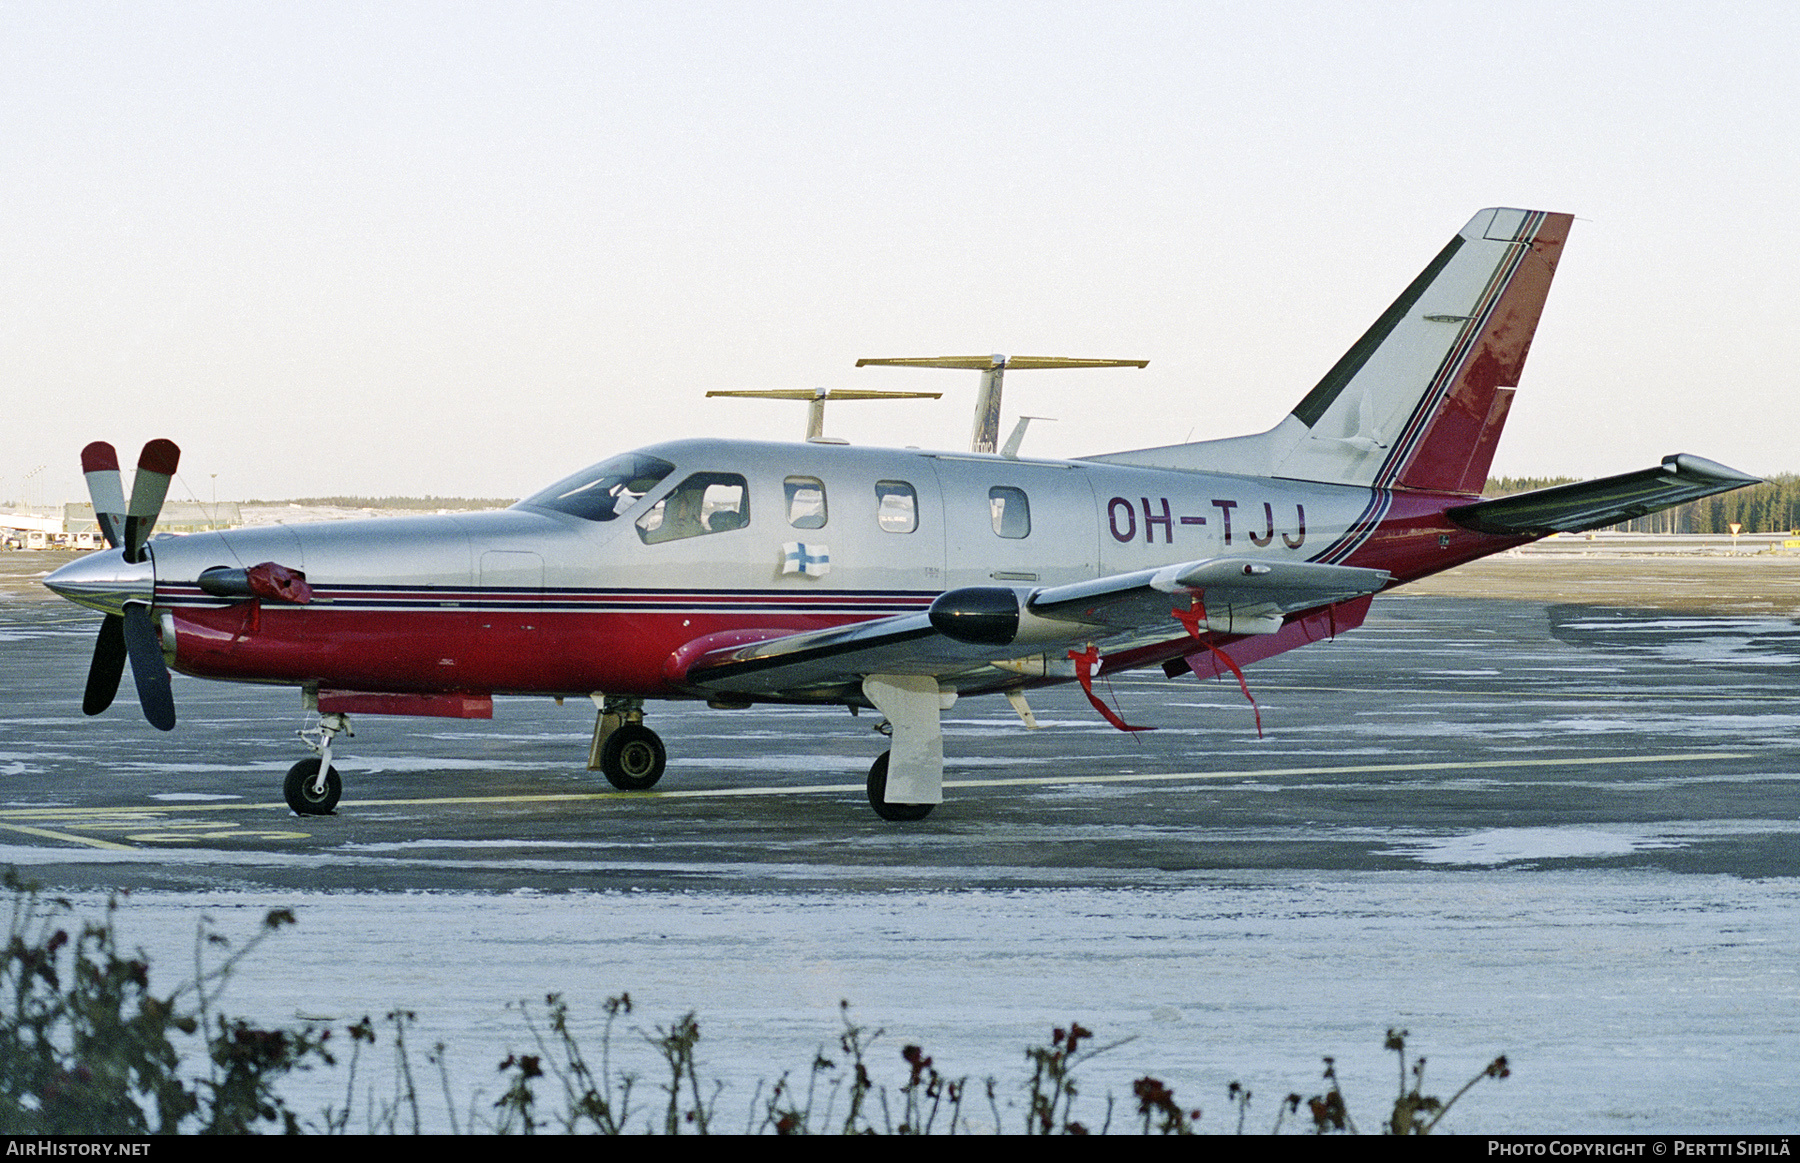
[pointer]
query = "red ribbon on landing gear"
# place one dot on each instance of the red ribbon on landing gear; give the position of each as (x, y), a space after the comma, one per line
(1191, 618)
(1085, 660)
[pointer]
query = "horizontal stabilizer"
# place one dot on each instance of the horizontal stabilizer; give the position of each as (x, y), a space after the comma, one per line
(1017, 363)
(815, 417)
(1608, 501)
(986, 436)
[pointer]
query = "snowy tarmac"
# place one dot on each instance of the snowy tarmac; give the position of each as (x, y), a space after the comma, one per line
(1565, 833)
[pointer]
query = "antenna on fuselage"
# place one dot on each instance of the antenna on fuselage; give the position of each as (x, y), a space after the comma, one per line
(815, 414)
(986, 435)
(1011, 449)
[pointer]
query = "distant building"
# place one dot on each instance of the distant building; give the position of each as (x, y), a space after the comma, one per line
(176, 517)
(73, 526)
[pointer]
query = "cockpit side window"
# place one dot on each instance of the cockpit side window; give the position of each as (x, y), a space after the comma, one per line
(805, 502)
(896, 506)
(606, 490)
(707, 502)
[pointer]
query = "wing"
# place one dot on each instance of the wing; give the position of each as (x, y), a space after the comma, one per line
(985, 637)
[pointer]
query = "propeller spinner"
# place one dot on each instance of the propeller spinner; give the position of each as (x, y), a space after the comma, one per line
(124, 589)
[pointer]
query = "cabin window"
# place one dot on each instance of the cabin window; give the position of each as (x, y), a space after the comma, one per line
(896, 506)
(604, 491)
(707, 502)
(1010, 510)
(805, 502)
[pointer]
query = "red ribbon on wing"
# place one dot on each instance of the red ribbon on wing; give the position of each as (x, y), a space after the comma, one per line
(1085, 661)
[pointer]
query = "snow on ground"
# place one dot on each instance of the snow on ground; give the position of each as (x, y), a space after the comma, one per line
(1627, 1001)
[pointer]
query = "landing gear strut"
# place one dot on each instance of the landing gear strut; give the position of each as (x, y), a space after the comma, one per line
(312, 786)
(628, 753)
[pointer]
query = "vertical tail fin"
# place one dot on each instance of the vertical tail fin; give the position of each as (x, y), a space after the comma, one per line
(1418, 402)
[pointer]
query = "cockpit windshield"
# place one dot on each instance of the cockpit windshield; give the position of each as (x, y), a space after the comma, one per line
(604, 491)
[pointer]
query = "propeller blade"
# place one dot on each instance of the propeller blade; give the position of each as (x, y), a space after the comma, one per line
(100, 464)
(147, 668)
(156, 465)
(108, 665)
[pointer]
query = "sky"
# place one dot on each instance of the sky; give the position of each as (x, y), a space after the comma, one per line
(463, 249)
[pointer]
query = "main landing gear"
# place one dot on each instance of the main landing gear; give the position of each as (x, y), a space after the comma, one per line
(900, 813)
(913, 768)
(312, 786)
(629, 754)
(632, 758)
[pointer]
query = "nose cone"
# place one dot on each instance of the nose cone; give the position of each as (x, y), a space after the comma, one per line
(105, 581)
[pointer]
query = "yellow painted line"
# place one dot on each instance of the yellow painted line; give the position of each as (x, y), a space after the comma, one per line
(152, 822)
(1359, 769)
(74, 812)
(76, 815)
(1050, 780)
(46, 834)
(231, 832)
(1527, 693)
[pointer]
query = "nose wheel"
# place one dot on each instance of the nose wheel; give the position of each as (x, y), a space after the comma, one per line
(313, 786)
(309, 795)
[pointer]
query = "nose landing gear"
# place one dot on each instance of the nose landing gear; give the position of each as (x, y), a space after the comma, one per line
(313, 786)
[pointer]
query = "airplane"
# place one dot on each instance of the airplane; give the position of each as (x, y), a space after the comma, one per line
(899, 580)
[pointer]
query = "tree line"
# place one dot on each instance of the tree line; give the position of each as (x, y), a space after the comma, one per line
(1771, 507)
(424, 504)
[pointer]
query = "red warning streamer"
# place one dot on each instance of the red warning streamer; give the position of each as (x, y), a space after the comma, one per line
(1242, 685)
(1191, 618)
(1085, 660)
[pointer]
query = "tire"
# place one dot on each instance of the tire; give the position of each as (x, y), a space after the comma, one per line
(899, 813)
(299, 792)
(632, 758)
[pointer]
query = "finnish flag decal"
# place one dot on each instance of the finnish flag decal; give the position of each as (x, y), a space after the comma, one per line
(811, 560)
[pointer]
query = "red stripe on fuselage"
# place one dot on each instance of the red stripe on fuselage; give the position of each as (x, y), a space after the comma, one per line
(668, 601)
(490, 651)
(564, 643)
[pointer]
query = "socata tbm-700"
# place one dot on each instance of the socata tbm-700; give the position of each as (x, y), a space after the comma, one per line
(739, 572)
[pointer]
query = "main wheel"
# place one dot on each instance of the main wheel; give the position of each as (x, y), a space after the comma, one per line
(878, 796)
(298, 788)
(632, 758)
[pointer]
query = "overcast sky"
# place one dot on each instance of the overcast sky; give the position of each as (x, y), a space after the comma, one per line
(465, 249)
